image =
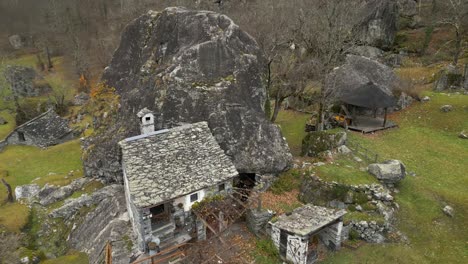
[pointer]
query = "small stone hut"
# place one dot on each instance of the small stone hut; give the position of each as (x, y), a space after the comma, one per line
(165, 173)
(45, 130)
(297, 235)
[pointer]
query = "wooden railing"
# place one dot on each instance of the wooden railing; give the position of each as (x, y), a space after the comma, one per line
(152, 259)
(369, 155)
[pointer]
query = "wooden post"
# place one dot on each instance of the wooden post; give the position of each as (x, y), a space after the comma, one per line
(108, 253)
(10, 198)
(385, 117)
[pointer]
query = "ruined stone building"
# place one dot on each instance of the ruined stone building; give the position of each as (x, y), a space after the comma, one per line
(165, 173)
(299, 235)
(45, 130)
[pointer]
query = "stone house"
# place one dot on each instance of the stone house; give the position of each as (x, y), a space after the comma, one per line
(45, 130)
(165, 173)
(299, 235)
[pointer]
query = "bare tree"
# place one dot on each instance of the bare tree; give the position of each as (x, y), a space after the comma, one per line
(326, 32)
(9, 198)
(454, 13)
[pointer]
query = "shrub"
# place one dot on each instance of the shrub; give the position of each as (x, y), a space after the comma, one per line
(353, 234)
(286, 182)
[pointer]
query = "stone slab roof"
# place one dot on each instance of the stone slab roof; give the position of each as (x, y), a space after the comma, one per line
(167, 164)
(46, 128)
(308, 219)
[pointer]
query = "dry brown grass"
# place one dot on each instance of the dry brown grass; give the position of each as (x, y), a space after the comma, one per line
(281, 203)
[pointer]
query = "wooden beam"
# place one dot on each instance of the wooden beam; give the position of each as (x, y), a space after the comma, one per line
(385, 117)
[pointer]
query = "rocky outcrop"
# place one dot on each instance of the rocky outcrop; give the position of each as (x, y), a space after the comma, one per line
(407, 8)
(21, 80)
(448, 78)
(191, 66)
(318, 142)
(108, 222)
(389, 172)
(51, 194)
(26, 191)
(368, 52)
(378, 23)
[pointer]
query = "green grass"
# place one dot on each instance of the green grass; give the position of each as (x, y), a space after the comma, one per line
(21, 165)
(427, 143)
(7, 128)
(265, 252)
(345, 170)
(72, 258)
(292, 125)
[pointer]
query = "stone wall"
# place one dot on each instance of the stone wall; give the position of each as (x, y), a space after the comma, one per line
(257, 220)
(296, 250)
(331, 236)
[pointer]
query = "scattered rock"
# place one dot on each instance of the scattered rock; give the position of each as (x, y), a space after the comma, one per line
(344, 150)
(446, 108)
(358, 208)
(412, 174)
(80, 99)
(390, 171)
(3, 121)
(425, 99)
(337, 204)
(357, 159)
(448, 210)
(26, 191)
(463, 135)
(404, 101)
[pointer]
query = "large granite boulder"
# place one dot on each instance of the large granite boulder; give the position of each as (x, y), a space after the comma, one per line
(407, 8)
(377, 26)
(16, 41)
(357, 71)
(191, 66)
(389, 172)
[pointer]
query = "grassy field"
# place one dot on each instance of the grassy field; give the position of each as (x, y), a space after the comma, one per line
(72, 258)
(427, 143)
(7, 128)
(292, 125)
(345, 170)
(25, 164)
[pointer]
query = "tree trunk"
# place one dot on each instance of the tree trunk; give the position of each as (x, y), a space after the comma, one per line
(49, 61)
(9, 192)
(458, 42)
(278, 102)
(321, 117)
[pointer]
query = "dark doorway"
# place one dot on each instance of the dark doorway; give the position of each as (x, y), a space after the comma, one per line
(246, 181)
(160, 215)
(283, 243)
(21, 136)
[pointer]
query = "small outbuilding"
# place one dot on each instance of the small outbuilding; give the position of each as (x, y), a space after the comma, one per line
(45, 130)
(368, 96)
(299, 235)
(165, 173)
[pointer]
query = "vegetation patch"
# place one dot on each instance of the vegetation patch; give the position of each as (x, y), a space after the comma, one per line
(265, 252)
(292, 125)
(8, 127)
(13, 216)
(346, 171)
(72, 257)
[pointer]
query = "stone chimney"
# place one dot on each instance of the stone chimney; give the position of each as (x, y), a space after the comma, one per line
(146, 121)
